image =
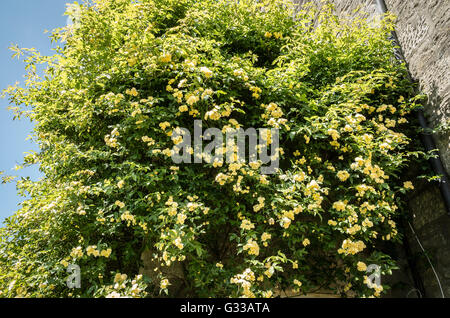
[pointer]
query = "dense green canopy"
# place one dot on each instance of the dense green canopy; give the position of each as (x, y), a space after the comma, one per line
(128, 73)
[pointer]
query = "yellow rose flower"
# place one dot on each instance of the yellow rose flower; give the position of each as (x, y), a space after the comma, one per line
(183, 108)
(343, 175)
(166, 58)
(106, 253)
(206, 71)
(408, 185)
(192, 100)
(362, 267)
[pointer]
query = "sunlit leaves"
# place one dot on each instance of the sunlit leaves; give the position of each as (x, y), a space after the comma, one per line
(130, 73)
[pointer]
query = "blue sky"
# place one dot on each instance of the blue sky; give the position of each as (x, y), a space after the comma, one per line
(22, 22)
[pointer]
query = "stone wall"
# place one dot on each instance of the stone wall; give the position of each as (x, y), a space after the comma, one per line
(423, 29)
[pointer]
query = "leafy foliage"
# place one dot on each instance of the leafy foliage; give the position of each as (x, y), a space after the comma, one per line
(127, 73)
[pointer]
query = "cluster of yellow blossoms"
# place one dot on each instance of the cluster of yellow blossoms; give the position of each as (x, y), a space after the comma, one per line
(111, 139)
(351, 248)
(128, 217)
(273, 114)
(124, 288)
(252, 247)
(92, 250)
(245, 280)
(247, 225)
(276, 35)
(260, 204)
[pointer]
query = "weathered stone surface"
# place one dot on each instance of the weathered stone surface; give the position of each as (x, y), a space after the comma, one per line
(423, 29)
(432, 229)
(427, 207)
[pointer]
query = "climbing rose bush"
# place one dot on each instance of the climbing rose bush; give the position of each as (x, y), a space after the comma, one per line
(126, 74)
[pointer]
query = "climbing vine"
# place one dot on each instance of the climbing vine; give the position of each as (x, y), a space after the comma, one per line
(127, 74)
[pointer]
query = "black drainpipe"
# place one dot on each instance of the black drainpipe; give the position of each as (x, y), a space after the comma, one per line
(426, 137)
